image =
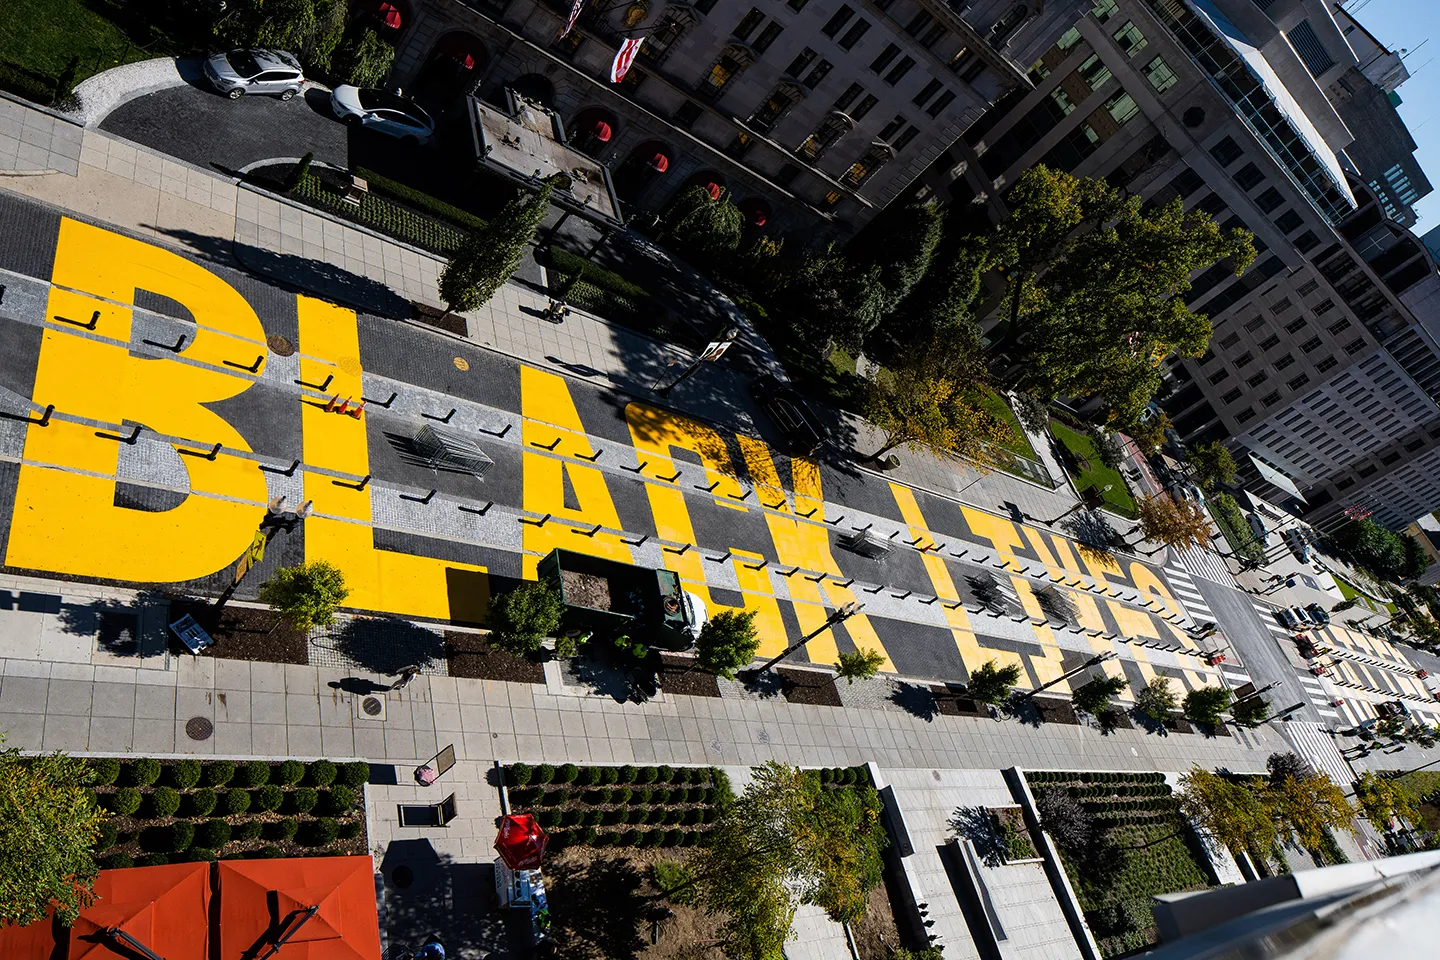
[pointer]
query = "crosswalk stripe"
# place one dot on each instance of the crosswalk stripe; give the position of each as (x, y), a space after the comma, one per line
(1327, 713)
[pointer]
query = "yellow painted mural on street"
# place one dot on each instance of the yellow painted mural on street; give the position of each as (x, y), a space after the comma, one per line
(1005, 539)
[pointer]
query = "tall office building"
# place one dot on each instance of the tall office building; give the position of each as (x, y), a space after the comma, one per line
(811, 113)
(1324, 363)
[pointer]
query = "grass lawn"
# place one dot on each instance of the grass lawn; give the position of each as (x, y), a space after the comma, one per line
(1349, 591)
(1091, 471)
(47, 46)
(995, 405)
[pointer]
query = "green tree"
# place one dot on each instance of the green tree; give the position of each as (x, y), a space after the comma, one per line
(309, 28)
(489, 257)
(783, 843)
(1213, 464)
(991, 684)
(364, 59)
(931, 399)
(727, 642)
(306, 595)
(1205, 704)
(704, 227)
(521, 619)
(823, 292)
(1384, 553)
(862, 664)
(1308, 808)
(1096, 284)
(898, 246)
(1380, 799)
(49, 823)
(1230, 811)
(1150, 433)
(1251, 712)
(1156, 699)
(944, 301)
(1175, 523)
(1094, 697)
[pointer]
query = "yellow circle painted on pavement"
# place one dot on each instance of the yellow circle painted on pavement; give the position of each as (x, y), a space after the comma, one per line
(461, 363)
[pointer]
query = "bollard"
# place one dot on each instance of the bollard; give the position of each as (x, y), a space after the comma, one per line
(537, 523)
(478, 511)
(757, 566)
(720, 559)
(247, 367)
(902, 596)
(815, 579)
(492, 433)
(773, 506)
(425, 499)
(592, 458)
(364, 482)
(44, 420)
(543, 446)
(587, 533)
(842, 583)
(670, 479)
(836, 520)
(709, 489)
(635, 543)
(876, 590)
(446, 418)
(787, 574)
(319, 386)
(743, 497)
(808, 513)
(681, 552)
(639, 469)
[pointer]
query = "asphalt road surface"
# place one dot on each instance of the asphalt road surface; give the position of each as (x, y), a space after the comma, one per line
(1264, 660)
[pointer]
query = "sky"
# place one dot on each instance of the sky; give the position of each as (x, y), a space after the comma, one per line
(1405, 24)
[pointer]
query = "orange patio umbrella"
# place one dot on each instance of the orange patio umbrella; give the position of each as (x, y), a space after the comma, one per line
(165, 910)
(320, 908)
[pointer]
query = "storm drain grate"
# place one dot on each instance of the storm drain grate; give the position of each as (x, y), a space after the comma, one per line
(199, 728)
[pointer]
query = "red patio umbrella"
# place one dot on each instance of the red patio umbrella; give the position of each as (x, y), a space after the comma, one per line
(165, 909)
(323, 908)
(520, 842)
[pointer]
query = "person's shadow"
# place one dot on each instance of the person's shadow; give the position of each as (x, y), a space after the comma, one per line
(360, 686)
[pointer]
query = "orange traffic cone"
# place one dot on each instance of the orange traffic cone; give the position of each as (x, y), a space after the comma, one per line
(344, 406)
(330, 404)
(358, 409)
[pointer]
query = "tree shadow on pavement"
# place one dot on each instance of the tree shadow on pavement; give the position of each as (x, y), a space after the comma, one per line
(383, 646)
(1093, 532)
(916, 700)
(1149, 724)
(116, 624)
(598, 907)
(427, 893)
(1024, 710)
(977, 825)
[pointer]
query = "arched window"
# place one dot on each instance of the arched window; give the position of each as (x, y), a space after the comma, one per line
(831, 129)
(1006, 25)
(873, 159)
(667, 32)
(781, 99)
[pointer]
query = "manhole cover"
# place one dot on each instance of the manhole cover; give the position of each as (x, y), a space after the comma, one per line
(351, 365)
(372, 706)
(402, 877)
(199, 728)
(279, 345)
(462, 364)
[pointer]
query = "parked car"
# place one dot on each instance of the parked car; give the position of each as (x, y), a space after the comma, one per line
(1187, 491)
(1301, 617)
(383, 112)
(1286, 619)
(1295, 540)
(790, 412)
(1391, 708)
(1318, 614)
(1257, 527)
(239, 72)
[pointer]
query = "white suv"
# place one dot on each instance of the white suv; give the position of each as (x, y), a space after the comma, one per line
(255, 71)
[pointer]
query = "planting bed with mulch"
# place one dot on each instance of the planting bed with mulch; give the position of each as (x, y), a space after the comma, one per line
(1010, 824)
(1179, 725)
(952, 704)
(244, 633)
(681, 675)
(624, 806)
(1113, 719)
(450, 322)
(808, 686)
(1151, 851)
(1052, 710)
(177, 811)
(468, 655)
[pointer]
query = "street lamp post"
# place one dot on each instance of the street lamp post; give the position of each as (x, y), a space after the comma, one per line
(1090, 499)
(1099, 658)
(840, 615)
(713, 351)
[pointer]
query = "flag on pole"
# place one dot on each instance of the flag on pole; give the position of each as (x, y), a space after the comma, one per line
(624, 57)
(574, 15)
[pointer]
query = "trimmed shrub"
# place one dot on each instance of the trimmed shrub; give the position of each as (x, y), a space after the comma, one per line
(642, 795)
(153, 860)
(666, 774)
(106, 839)
(620, 795)
(674, 815)
(573, 818)
(249, 830)
(349, 830)
(591, 775)
(692, 816)
(164, 802)
(236, 801)
(143, 772)
(672, 838)
(519, 774)
(611, 817)
(660, 795)
(558, 798)
(290, 772)
(624, 814)
(593, 817)
(696, 794)
(632, 838)
(649, 774)
(185, 774)
(126, 800)
(709, 814)
(214, 834)
(567, 773)
(267, 798)
(269, 853)
(543, 774)
(219, 773)
(117, 861)
(339, 799)
(154, 839)
(182, 834)
(548, 818)
(610, 775)
(848, 777)
(318, 833)
(256, 773)
(200, 854)
(604, 839)
(589, 835)
(320, 774)
(628, 773)
(106, 770)
(304, 799)
(281, 830)
(356, 774)
(200, 802)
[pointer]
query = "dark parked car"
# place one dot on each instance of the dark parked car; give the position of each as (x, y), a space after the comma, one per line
(790, 412)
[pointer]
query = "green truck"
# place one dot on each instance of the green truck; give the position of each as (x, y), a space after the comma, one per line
(611, 599)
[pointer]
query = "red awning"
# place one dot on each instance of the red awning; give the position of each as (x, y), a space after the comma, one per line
(660, 163)
(390, 14)
(520, 842)
(325, 904)
(459, 47)
(713, 189)
(756, 211)
(601, 129)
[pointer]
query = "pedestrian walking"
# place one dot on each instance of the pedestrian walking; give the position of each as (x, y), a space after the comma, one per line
(403, 676)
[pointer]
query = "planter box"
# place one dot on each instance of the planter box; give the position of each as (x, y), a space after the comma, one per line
(1014, 817)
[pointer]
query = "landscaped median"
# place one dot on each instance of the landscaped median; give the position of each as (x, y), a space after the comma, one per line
(1089, 471)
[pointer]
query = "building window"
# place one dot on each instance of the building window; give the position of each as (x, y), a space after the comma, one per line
(1104, 10)
(740, 145)
(853, 35)
(863, 107)
(1130, 39)
(1312, 52)
(821, 71)
(1226, 152)
(671, 27)
(1284, 362)
(802, 60)
(1006, 25)
(1295, 326)
(874, 158)
(1254, 323)
(1355, 346)
(1258, 379)
(1270, 200)
(893, 127)
(1269, 342)
(1249, 177)
(725, 69)
(918, 22)
(1068, 39)
(1280, 306)
(767, 36)
(1289, 221)
(970, 70)
(1230, 340)
(832, 198)
(786, 175)
(903, 141)
(1299, 381)
(848, 97)
(1311, 345)
(1161, 77)
(686, 114)
(926, 92)
(832, 128)
(1246, 415)
(1122, 108)
(1307, 241)
(781, 99)
(1324, 307)
(1307, 288)
(748, 24)
(1094, 72)
(1338, 326)
(1232, 396)
(1220, 376)
(1245, 359)
(1271, 398)
(883, 60)
(897, 72)
(841, 17)
(941, 102)
(1326, 364)
(798, 5)
(933, 36)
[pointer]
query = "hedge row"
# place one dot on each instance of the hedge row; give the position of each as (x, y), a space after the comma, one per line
(385, 216)
(522, 774)
(590, 837)
(415, 198)
(185, 774)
